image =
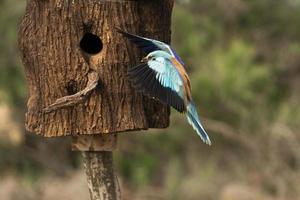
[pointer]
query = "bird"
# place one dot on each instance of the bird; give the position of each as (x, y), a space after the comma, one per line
(162, 75)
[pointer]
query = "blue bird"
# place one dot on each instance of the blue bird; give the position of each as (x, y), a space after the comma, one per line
(162, 75)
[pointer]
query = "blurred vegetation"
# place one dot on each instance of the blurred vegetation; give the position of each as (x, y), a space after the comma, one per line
(244, 61)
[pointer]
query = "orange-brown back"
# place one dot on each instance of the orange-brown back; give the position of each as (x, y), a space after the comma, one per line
(185, 78)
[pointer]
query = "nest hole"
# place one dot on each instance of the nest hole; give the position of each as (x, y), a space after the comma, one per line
(91, 44)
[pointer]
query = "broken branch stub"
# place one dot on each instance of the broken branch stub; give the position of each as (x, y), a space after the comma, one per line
(79, 97)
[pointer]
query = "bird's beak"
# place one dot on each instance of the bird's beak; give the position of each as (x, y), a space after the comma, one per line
(145, 59)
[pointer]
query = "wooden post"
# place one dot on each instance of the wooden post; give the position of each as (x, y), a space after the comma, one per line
(102, 182)
(98, 165)
(76, 69)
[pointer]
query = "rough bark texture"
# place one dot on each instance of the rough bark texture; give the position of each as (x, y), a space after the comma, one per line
(61, 100)
(101, 179)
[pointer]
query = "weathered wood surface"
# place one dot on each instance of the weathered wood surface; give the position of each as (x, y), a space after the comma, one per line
(56, 67)
(102, 182)
(103, 142)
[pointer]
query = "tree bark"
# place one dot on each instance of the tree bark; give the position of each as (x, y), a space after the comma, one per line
(102, 182)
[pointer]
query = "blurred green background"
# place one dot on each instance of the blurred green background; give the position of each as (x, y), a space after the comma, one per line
(244, 61)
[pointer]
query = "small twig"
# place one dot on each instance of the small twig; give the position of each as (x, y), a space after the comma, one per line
(79, 97)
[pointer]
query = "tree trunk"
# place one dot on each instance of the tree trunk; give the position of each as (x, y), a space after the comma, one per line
(102, 182)
(76, 69)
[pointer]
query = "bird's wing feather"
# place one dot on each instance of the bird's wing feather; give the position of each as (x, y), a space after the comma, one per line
(146, 44)
(161, 80)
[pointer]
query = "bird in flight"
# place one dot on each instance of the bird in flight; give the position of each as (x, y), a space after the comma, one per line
(162, 75)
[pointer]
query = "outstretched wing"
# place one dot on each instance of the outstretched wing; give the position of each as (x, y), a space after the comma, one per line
(161, 80)
(146, 44)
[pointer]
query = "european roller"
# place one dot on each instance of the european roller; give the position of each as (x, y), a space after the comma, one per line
(162, 75)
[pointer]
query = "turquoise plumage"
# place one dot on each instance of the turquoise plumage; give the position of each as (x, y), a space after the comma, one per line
(162, 75)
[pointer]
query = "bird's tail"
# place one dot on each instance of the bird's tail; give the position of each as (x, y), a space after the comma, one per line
(194, 120)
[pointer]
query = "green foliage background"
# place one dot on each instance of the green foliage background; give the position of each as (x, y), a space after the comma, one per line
(243, 58)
